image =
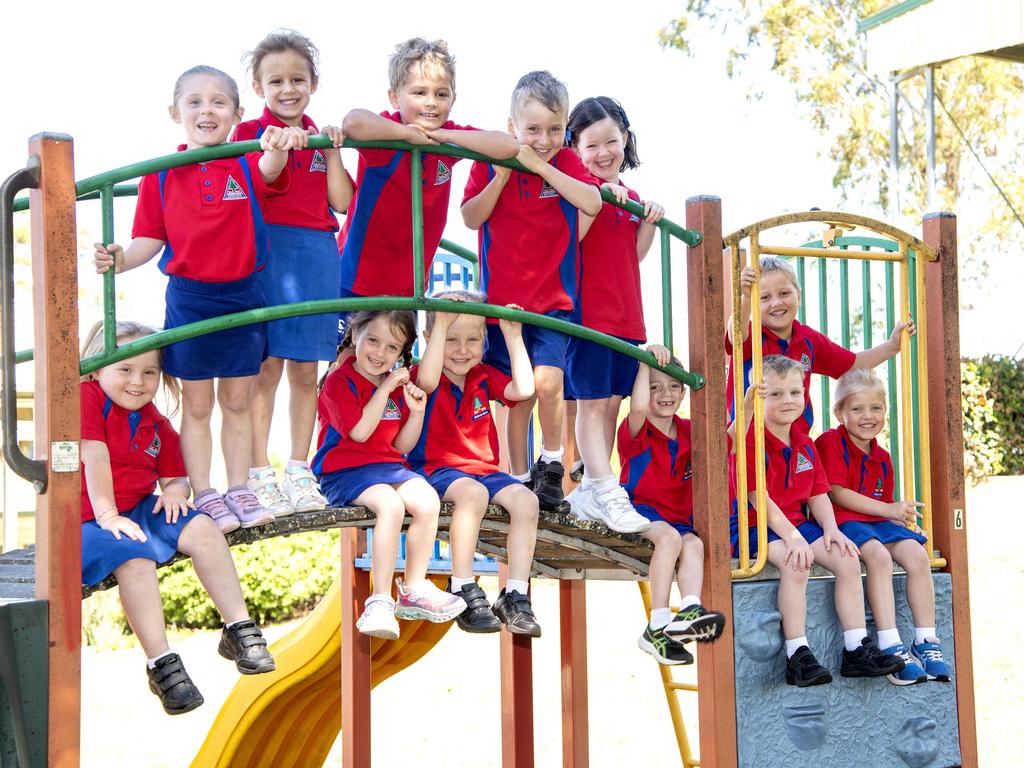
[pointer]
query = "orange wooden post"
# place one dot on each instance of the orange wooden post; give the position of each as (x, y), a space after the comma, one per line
(706, 289)
(945, 425)
(516, 695)
(355, 658)
(58, 431)
(573, 629)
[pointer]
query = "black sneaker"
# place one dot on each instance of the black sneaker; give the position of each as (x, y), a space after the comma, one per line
(546, 482)
(169, 680)
(516, 613)
(576, 473)
(696, 623)
(478, 616)
(803, 670)
(869, 661)
(245, 645)
(663, 648)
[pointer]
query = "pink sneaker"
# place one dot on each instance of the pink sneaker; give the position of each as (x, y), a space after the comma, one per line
(212, 503)
(428, 602)
(246, 507)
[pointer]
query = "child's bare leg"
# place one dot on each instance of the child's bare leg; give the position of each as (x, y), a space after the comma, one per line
(550, 405)
(611, 418)
(518, 430)
(690, 572)
(524, 511)
(234, 396)
(920, 589)
(470, 500)
(264, 388)
(422, 504)
(879, 583)
(140, 598)
(849, 592)
(591, 438)
(792, 593)
(387, 507)
(202, 540)
(197, 399)
(667, 546)
(301, 406)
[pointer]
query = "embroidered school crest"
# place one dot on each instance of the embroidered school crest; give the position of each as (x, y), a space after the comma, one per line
(391, 412)
(878, 489)
(444, 174)
(154, 447)
(548, 191)
(232, 191)
(480, 408)
(687, 471)
(805, 361)
(319, 164)
(803, 464)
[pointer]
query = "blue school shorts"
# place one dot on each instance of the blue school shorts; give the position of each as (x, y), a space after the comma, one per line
(343, 487)
(809, 530)
(303, 265)
(102, 554)
(494, 482)
(594, 372)
(545, 347)
(652, 514)
(885, 531)
(236, 351)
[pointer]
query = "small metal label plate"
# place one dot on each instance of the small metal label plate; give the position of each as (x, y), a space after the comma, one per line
(64, 456)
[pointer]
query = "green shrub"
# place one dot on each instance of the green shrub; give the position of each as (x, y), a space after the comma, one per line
(1005, 379)
(983, 444)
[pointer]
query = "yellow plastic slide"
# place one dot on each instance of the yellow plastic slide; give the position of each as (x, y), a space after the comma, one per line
(292, 717)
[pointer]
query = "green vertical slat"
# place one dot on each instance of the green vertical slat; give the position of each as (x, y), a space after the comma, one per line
(666, 289)
(894, 407)
(801, 277)
(912, 263)
(109, 291)
(844, 298)
(826, 419)
(418, 278)
(866, 299)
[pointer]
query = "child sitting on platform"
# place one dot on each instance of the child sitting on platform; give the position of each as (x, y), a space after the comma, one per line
(654, 451)
(127, 530)
(458, 454)
(861, 473)
(796, 485)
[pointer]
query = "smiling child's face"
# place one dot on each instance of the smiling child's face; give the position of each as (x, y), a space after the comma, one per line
(784, 397)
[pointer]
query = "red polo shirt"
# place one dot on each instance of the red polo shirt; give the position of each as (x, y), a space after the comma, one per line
(205, 217)
(793, 473)
(610, 297)
(376, 241)
(656, 469)
(143, 447)
(346, 392)
(813, 349)
(305, 205)
(529, 246)
(869, 474)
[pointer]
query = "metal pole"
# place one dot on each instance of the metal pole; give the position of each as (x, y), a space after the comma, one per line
(894, 151)
(929, 113)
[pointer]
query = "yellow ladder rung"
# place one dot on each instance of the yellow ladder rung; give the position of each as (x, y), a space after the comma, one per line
(681, 686)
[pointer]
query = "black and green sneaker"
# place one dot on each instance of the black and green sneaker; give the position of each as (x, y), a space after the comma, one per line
(663, 648)
(696, 623)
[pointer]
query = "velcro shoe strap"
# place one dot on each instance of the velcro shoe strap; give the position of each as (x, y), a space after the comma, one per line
(248, 635)
(170, 674)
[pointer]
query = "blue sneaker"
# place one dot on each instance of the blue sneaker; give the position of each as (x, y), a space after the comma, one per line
(929, 656)
(911, 673)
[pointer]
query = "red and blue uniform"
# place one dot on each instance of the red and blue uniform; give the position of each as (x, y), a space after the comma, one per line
(657, 472)
(376, 240)
(815, 351)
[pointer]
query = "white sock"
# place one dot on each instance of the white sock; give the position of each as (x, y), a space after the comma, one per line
(253, 471)
(660, 618)
(792, 645)
(296, 464)
(515, 585)
(853, 637)
(150, 663)
(458, 584)
(546, 455)
(228, 626)
(887, 638)
(924, 634)
(590, 482)
(523, 477)
(689, 600)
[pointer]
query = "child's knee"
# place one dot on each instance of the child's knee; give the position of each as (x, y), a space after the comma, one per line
(135, 569)
(794, 578)
(846, 567)
(914, 559)
(665, 538)
(197, 406)
(471, 495)
(302, 375)
(877, 557)
(692, 547)
(234, 399)
(549, 383)
(525, 507)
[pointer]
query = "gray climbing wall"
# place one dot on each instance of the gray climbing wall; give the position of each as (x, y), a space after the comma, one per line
(851, 722)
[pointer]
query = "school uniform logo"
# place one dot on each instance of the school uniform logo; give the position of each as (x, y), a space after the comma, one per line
(633, 218)
(687, 471)
(480, 408)
(548, 191)
(803, 464)
(444, 174)
(319, 164)
(877, 493)
(154, 447)
(805, 361)
(233, 191)
(391, 412)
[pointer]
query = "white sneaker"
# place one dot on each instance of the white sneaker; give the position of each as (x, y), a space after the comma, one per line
(611, 506)
(268, 492)
(578, 500)
(378, 618)
(302, 490)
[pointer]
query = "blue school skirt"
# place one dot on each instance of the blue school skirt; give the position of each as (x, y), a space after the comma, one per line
(303, 265)
(102, 554)
(232, 352)
(885, 531)
(343, 487)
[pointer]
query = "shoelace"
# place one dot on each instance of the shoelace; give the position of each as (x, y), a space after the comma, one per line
(616, 500)
(248, 504)
(214, 506)
(929, 654)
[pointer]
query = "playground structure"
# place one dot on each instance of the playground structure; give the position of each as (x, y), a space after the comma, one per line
(310, 658)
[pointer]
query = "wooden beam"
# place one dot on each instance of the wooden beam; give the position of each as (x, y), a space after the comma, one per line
(706, 290)
(573, 631)
(355, 658)
(58, 432)
(516, 695)
(945, 425)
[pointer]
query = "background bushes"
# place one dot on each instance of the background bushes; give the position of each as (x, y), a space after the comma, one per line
(993, 409)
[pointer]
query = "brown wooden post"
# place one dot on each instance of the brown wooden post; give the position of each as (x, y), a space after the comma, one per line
(58, 431)
(516, 695)
(355, 658)
(573, 629)
(945, 425)
(706, 289)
